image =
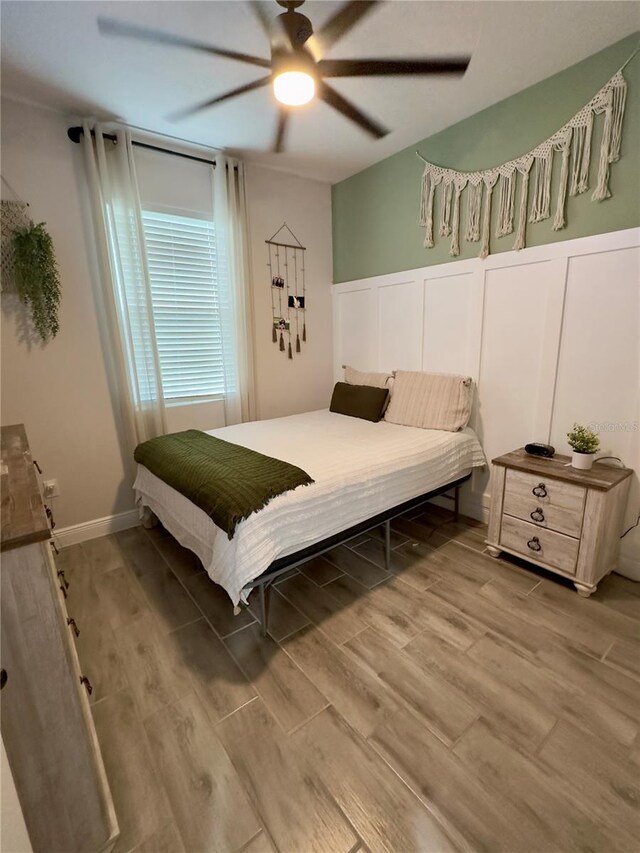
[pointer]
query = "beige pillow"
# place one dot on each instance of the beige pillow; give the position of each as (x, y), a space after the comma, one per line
(357, 377)
(430, 400)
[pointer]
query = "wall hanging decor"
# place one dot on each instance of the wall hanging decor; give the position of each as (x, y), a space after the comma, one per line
(14, 218)
(29, 267)
(288, 289)
(37, 278)
(572, 142)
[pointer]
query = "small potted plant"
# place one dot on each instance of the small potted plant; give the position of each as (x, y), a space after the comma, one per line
(584, 443)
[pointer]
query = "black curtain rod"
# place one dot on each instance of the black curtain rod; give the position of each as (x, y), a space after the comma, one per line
(74, 134)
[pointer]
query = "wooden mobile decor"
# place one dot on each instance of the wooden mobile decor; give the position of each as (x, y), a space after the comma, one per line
(288, 289)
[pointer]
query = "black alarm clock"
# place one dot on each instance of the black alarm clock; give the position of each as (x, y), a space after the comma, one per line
(535, 448)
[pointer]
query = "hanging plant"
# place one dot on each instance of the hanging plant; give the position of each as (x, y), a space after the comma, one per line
(37, 278)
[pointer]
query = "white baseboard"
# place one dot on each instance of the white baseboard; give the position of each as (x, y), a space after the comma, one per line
(76, 533)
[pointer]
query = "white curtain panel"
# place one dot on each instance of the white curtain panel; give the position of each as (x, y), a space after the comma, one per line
(123, 267)
(230, 219)
(127, 292)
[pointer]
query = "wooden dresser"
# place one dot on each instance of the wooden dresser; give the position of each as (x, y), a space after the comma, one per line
(47, 728)
(565, 520)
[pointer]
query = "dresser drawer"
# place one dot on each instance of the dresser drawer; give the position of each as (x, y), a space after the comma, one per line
(545, 546)
(556, 506)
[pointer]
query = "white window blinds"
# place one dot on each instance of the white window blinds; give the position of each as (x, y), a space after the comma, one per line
(188, 307)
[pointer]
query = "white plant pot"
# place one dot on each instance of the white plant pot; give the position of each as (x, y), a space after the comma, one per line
(583, 461)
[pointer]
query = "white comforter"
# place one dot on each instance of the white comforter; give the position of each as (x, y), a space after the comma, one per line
(360, 469)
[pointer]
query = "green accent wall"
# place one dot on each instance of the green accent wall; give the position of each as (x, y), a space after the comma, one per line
(375, 212)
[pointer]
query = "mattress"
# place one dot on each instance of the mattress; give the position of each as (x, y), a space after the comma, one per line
(360, 469)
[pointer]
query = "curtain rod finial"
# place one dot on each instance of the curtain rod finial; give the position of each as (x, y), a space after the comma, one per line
(74, 133)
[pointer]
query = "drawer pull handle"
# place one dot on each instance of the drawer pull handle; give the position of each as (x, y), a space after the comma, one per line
(63, 579)
(540, 491)
(84, 680)
(537, 514)
(72, 624)
(534, 544)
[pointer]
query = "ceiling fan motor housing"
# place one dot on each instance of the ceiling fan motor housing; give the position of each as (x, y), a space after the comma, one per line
(301, 61)
(290, 4)
(297, 26)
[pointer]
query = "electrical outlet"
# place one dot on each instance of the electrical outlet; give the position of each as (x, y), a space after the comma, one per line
(50, 488)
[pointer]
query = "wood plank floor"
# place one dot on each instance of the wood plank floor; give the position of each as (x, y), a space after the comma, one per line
(455, 703)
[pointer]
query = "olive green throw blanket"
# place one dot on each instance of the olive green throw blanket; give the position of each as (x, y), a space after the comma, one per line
(227, 481)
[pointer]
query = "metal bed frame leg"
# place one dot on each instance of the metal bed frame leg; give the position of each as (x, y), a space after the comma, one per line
(265, 590)
(456, 503)
(387, 544)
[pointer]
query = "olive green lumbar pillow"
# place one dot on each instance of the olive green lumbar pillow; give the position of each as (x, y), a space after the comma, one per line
(359, 401)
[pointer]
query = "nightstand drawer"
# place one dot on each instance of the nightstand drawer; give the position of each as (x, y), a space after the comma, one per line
(544, 546)
(555, 505)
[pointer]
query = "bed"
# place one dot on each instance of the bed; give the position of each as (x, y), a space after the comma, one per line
(363, 471)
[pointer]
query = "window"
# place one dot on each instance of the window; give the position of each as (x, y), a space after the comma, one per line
(189, 305)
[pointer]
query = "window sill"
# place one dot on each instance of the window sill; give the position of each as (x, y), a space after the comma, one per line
(193, 401)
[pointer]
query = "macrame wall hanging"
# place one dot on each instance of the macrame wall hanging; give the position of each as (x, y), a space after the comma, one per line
(288, 289)
(572, 142)
(14, 218)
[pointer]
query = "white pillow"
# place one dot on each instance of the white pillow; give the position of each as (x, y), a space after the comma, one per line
(430, 400)
(357, 377)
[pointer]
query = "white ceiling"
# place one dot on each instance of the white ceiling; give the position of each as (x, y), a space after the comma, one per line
(52, 54)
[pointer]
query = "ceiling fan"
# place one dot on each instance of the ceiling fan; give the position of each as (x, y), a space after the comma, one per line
(297, 68)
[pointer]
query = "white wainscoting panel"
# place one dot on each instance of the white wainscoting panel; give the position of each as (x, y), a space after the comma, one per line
(551, 335)
(400, 307)
(514, 370)
(452, 323)
(355, 327)
(598, 378)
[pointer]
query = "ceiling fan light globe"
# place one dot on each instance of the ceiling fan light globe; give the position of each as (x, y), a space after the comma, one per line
(294, 88)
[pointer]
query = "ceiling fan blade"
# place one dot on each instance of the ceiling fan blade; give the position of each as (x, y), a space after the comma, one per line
(248, 87)
(260, 12)
(338, 26)
(382, 67)
(281, 37)
(329, 95)
(111, 27)
(278, 143)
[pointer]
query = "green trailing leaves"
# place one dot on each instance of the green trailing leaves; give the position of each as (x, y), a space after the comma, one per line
(37, 278)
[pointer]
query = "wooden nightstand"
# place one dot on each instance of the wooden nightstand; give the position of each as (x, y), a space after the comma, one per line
(565, 520)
